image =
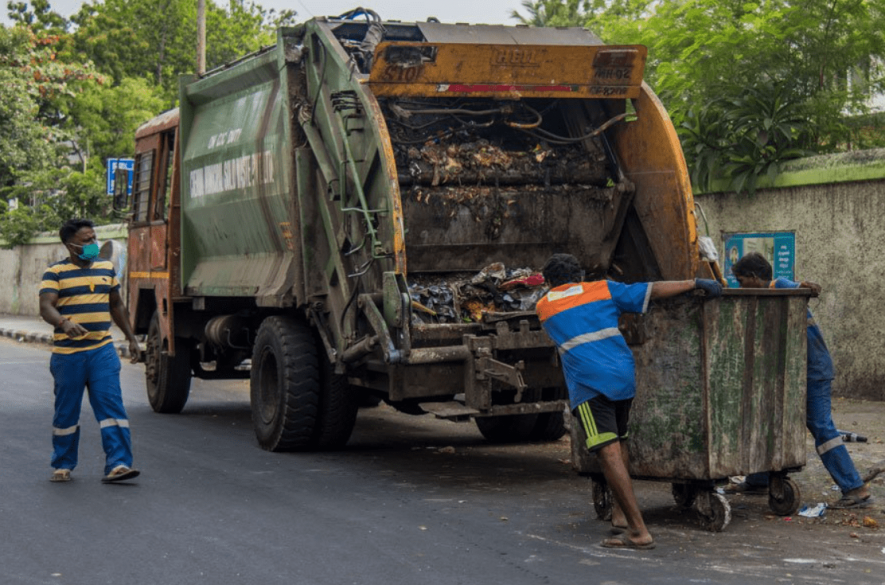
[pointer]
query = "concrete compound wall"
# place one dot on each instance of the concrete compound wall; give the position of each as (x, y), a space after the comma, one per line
(21, 269)
(839, 224)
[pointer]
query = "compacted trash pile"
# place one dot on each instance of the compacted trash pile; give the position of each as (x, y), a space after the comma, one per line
(465, 298)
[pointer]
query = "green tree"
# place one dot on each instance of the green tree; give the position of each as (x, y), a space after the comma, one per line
(60, 118)
(38, 16)
(17, 226)
(103, 119)
(708, 59)
(36, 87)
(137, 39)
(553, 13)
(23, 140)
(242, 29)
(156, 39)
(33, 87)
(47, 198)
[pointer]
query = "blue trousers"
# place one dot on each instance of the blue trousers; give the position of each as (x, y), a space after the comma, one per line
(829, 443)
(99, 370)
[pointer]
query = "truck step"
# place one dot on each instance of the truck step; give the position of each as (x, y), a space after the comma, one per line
(449, 410)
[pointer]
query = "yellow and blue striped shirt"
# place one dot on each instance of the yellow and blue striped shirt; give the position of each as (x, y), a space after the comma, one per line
(83, 297)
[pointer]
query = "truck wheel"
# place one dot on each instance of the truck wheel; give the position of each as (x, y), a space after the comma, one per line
(550, 426)
(168, 378)
(285, 385)
(338, 407)
(507, 429)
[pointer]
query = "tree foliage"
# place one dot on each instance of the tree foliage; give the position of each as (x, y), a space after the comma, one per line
(73, 92)
(553, 13)
(33, 84)
(156, 39)
(730, 71)
(38, 16)
(104, 118)
(49, 197)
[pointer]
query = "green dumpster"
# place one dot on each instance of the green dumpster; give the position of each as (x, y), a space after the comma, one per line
(720, 392)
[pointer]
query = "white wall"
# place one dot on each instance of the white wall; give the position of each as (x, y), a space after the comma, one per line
(21, 269)
(839, 231)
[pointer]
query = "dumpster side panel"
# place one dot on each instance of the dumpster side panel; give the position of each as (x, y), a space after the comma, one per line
(726, 340)
(795, 383)
(667, 424)
(756, 384)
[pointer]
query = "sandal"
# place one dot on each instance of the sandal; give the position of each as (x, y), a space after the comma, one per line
(60, 475)
(120, 473)
(623, 541)
(847, 502)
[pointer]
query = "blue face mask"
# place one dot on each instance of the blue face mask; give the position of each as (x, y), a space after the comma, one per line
(90, 251)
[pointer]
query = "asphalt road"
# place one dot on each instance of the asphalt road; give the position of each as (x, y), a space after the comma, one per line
(411, 501)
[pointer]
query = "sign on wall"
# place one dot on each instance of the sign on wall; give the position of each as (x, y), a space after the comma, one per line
(113, 165)
(779, 248)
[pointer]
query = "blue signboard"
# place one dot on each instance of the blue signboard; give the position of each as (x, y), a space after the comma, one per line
(113, 165)
(779, 248)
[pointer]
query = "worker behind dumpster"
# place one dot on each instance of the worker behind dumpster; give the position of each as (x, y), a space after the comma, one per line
(582, 320)
(754, 271)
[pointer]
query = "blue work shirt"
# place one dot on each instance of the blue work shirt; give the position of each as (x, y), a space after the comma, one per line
(820, 364)
(582, 320)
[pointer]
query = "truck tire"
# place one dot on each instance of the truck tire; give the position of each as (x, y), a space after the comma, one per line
(167, 378)
(550, 426)
(515, 428)
(285, 385)
(337, 408)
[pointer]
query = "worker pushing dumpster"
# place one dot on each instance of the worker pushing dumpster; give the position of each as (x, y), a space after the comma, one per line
(720, 392)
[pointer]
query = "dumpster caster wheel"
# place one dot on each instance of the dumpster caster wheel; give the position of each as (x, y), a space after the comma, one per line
(684, 494)
(714, 511)
(602, 500)
(789, 504)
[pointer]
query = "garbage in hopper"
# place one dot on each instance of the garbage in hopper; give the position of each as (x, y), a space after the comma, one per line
(465, 299)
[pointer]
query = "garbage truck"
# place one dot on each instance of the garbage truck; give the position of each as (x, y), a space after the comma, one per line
(361, 212)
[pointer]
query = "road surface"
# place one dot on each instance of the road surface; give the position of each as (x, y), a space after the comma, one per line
(410, 501)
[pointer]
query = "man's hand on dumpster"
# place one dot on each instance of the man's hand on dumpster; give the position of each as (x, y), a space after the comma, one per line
(711, 288)
(815, 287)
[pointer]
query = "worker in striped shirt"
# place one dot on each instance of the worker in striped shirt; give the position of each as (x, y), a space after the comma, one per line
(582, 320)
(79, 296)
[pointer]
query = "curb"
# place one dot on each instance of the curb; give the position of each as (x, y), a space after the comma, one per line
(23, 336)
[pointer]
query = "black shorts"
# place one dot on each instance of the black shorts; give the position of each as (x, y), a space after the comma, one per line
(604, 421)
